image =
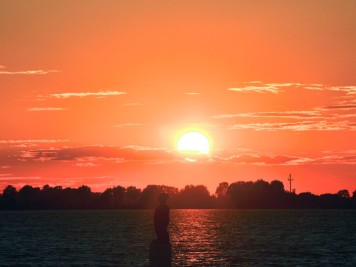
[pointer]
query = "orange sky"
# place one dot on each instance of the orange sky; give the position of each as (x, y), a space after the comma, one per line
(95, 92)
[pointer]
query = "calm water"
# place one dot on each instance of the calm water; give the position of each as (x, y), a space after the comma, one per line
(199, 237)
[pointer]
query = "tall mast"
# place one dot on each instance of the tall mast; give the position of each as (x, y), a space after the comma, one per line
(290, 179)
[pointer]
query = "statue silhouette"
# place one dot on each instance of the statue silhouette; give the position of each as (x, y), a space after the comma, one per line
(160, 249)
(161, 219)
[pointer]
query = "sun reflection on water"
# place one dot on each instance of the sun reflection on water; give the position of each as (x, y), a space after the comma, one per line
(196, 238)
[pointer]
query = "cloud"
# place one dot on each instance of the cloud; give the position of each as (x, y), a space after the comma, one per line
(338, 114)
(258, 159)
(46, 109)
(255, 89)
(273, 114)
(260, 87)
(5, 167)
(27, 72)
(346, 107)
(255, 159)
(296, 126)
(127, 125)
(275, 88)
(5, 174)
(192, 93)
(93, 156)
(25, 178)
(27, 141)
(96, 156)
(335, 159)
(350, 90)
(118, 154)
(86, 94)
(87, 164)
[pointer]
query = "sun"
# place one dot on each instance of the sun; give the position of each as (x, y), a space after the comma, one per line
(193, 142)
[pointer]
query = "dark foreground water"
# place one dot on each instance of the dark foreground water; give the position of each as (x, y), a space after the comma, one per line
(199, 238)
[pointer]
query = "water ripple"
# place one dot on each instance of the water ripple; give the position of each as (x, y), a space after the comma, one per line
(199, 238)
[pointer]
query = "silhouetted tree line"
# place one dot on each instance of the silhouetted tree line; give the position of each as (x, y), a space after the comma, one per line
(243, 195)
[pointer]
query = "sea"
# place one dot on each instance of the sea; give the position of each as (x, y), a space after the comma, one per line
(198, 237)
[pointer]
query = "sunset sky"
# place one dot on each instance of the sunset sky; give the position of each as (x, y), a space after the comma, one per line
(97, 92)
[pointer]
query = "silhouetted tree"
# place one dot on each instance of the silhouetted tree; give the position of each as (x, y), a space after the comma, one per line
(258, 194)
(119, 195)
(240, 194)
(85, 196)
(197, 197)
(278, 197)
(277, 186)
(51, 197)
(344, 193)
(221, 200)
(133, 195)
(307, 200)
(29, 197)
(106, 200)
(9, 198)
(331, 201)
(221, 190)
(149, 195)
(261, 194)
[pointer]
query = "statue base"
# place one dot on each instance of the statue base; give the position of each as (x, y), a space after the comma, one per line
(160, 254)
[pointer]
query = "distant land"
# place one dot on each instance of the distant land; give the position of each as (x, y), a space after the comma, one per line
(238, 195)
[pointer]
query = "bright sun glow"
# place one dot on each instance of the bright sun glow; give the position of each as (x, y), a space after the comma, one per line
(193, 142)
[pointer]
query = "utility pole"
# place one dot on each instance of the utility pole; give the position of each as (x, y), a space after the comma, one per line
(290, 179)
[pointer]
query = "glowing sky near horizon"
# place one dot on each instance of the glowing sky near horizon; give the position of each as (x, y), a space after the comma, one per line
(96, 92)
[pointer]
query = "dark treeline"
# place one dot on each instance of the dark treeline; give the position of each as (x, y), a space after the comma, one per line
(243, 195)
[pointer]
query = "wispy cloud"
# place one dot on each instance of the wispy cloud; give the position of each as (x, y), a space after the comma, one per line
(145, 148)
(273, 114)
(26, 72)
(346, 107)
(337, 113)
(5, 167)
(46, 141)
(29, 143)
(296, 126)
(128, 153)
(257, 159)
(255, 89)
(5, 174)
(275, 88)
(192, 93)
(46, 109)
(335, 159)
(127, 125)
(101, 156)
(260, 159)
(260, 87)
(86, 94)
(350, 90)
(25, 178)
(86, 164)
